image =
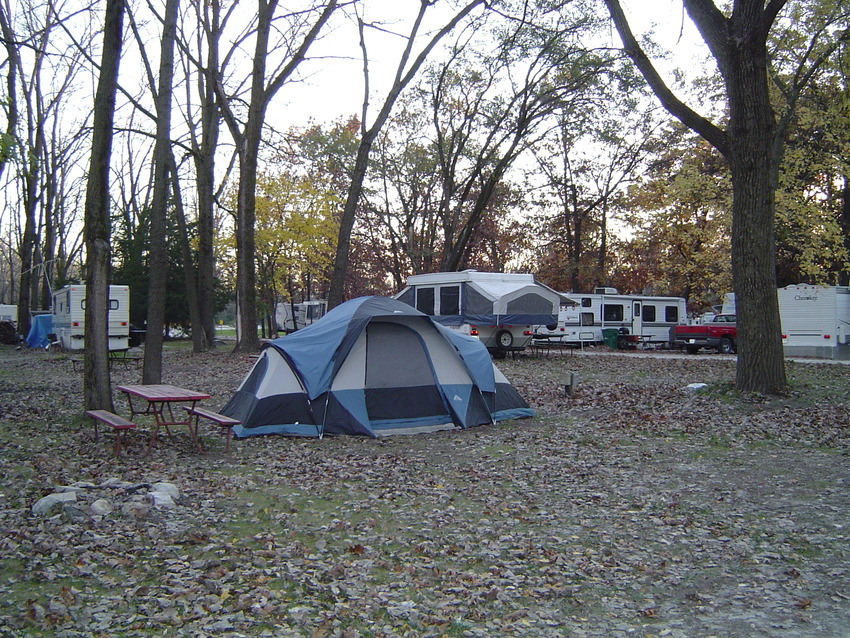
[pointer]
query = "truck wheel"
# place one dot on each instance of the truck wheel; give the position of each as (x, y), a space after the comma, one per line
(692, 349)
(726, 346)
(505, 339)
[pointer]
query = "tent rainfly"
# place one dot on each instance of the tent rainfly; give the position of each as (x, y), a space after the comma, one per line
(372, 366)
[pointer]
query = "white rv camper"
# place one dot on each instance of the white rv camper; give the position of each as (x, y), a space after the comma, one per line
(69, 317)
(815, 320)
(306, 312)
(640, 319)
(9, 312)
(500, 309)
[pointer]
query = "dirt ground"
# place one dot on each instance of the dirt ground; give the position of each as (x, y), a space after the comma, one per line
(633, 507)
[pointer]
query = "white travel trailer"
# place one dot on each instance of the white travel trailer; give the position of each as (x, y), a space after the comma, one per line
(638, 319)
(306, 312)
(815, 320)
(500, 309)
(8, 312)
(69, 317)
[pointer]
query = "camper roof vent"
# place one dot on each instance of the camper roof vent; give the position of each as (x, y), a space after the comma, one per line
(605, 291)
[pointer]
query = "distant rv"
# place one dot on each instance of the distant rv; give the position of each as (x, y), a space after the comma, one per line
(306, 312)
(815, 320)
(69, 317)
(8, 312)
(501, 309)
(637, 318)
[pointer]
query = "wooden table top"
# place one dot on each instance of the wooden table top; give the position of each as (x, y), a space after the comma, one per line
(160, 392)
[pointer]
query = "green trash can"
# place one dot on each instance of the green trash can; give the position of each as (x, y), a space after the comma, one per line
(609, 336)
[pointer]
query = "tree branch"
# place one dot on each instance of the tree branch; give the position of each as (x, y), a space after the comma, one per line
(713, 134)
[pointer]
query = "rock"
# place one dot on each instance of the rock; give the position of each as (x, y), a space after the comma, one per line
(167, 488)
(135, 508)
(114, 482)
(101, 507)
(43, 506)
(75, 514)
(162, 499)
(79, 486)
(696, 387)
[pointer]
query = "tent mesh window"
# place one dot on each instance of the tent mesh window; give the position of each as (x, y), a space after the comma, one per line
(530, 304)
(399, 378)
(476, 303)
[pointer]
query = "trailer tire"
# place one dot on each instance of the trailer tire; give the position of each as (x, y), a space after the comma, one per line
(505, 339)
(727, 346)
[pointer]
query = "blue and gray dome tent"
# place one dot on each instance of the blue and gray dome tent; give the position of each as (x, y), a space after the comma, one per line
(372, 366)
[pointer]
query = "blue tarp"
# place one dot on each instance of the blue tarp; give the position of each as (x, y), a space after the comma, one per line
(42, 325)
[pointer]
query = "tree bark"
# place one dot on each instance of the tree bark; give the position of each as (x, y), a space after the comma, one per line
(97, 388)
(158, 256)
(204, 157)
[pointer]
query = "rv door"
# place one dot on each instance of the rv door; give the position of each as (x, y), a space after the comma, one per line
(637, 319)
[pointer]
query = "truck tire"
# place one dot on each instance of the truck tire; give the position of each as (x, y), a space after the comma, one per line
(726, 346)
(692, 349)
(505, 339)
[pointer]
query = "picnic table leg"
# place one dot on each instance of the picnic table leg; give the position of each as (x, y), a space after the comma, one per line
(158, 418)
(193, 428)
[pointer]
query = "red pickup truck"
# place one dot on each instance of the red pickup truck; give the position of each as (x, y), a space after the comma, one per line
(719, 334)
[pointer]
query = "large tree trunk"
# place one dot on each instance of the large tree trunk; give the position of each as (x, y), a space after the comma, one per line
(97, 388)
(761, 363)
(749, 144)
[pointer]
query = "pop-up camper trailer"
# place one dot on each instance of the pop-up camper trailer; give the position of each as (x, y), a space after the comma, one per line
(500, 309)
(69, 317)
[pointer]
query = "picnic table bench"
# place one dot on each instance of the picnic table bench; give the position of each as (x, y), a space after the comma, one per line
(118, 424)
(115, 356)
(221, 420)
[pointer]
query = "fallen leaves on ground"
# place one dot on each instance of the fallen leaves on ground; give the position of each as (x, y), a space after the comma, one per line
(630, 507)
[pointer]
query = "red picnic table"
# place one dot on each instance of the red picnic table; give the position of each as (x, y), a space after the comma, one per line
(160, 400)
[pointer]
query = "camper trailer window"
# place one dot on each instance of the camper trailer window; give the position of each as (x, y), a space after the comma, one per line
(612, 312)
(113, 304)
(425, 300)
(586, 302)
(671, 314)
(450, 300)
(586, 318)
(648, 313)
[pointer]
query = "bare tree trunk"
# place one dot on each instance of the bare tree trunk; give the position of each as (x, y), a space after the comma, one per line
(198, 336)
(336, 291)
(97, 388)
(12, 65)
(158, 275)
(204, 157)
(248, 147)
(761, 362)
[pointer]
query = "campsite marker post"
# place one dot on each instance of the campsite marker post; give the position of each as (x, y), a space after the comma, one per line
(570, 383)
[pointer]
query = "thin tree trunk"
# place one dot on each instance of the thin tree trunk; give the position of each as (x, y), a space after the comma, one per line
(205, 169)
(158, 273)
(97, 388)
(198, 336)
